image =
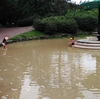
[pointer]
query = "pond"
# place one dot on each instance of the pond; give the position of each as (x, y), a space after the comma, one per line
(49, 69)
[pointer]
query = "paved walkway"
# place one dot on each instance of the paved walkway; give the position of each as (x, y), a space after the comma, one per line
(10, 32)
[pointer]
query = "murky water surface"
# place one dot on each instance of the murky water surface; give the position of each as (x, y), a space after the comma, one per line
(49, 69)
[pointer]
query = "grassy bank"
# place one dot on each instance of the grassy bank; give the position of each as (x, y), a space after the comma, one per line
(40, 35)
(36, 35)
(29, 34)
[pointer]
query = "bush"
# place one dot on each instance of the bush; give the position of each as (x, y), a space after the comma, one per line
(50, 28)
(39, 25)
(67, 26)
(87, 23)
(54, 24)
(86, 19)
(50, 25)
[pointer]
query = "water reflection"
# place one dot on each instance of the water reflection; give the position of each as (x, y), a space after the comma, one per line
(5, 52)
(29, 89)
(88, 64)
(48, 69)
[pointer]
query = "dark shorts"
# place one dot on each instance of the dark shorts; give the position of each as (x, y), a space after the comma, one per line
(72, 43)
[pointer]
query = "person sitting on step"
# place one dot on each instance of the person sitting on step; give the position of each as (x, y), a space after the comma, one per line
(72, 42)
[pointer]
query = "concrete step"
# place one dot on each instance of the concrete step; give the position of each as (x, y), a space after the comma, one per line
(86, 47)
(87, 41)
(88, 44)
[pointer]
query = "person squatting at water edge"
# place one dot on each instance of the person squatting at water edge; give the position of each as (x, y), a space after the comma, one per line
(4, 42)
(72, 42)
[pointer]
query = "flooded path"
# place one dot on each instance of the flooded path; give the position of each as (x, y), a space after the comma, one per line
(49, 69)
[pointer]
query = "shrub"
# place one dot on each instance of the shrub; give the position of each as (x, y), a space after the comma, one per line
(39, 25)
(50, 25)
(86, 19)
(54, 24)
(67, 26)
(86, 23)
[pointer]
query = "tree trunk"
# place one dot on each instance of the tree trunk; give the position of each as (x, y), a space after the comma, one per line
(98, 36)
(99, 20)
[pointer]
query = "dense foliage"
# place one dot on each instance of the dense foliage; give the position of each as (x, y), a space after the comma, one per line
(87, 23)
(68, 23)
(49, 16)
(87, 20)
(21, 12)
(56, 24)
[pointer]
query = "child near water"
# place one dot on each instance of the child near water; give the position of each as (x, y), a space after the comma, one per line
(72, 42)
(4, 42)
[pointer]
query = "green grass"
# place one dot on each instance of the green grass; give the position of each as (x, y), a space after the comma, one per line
(35, 33)
(29, 34)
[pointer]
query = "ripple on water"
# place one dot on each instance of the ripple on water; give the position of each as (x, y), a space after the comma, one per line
(4, 97)
(13, 89)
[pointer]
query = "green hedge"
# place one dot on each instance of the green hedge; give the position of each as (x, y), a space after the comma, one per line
(86, 19)
(39, 25)
(56, 24)
(50, 25)
(87, 23)
(67, 25)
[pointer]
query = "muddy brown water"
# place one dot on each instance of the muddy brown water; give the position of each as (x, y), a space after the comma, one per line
(49, 69)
